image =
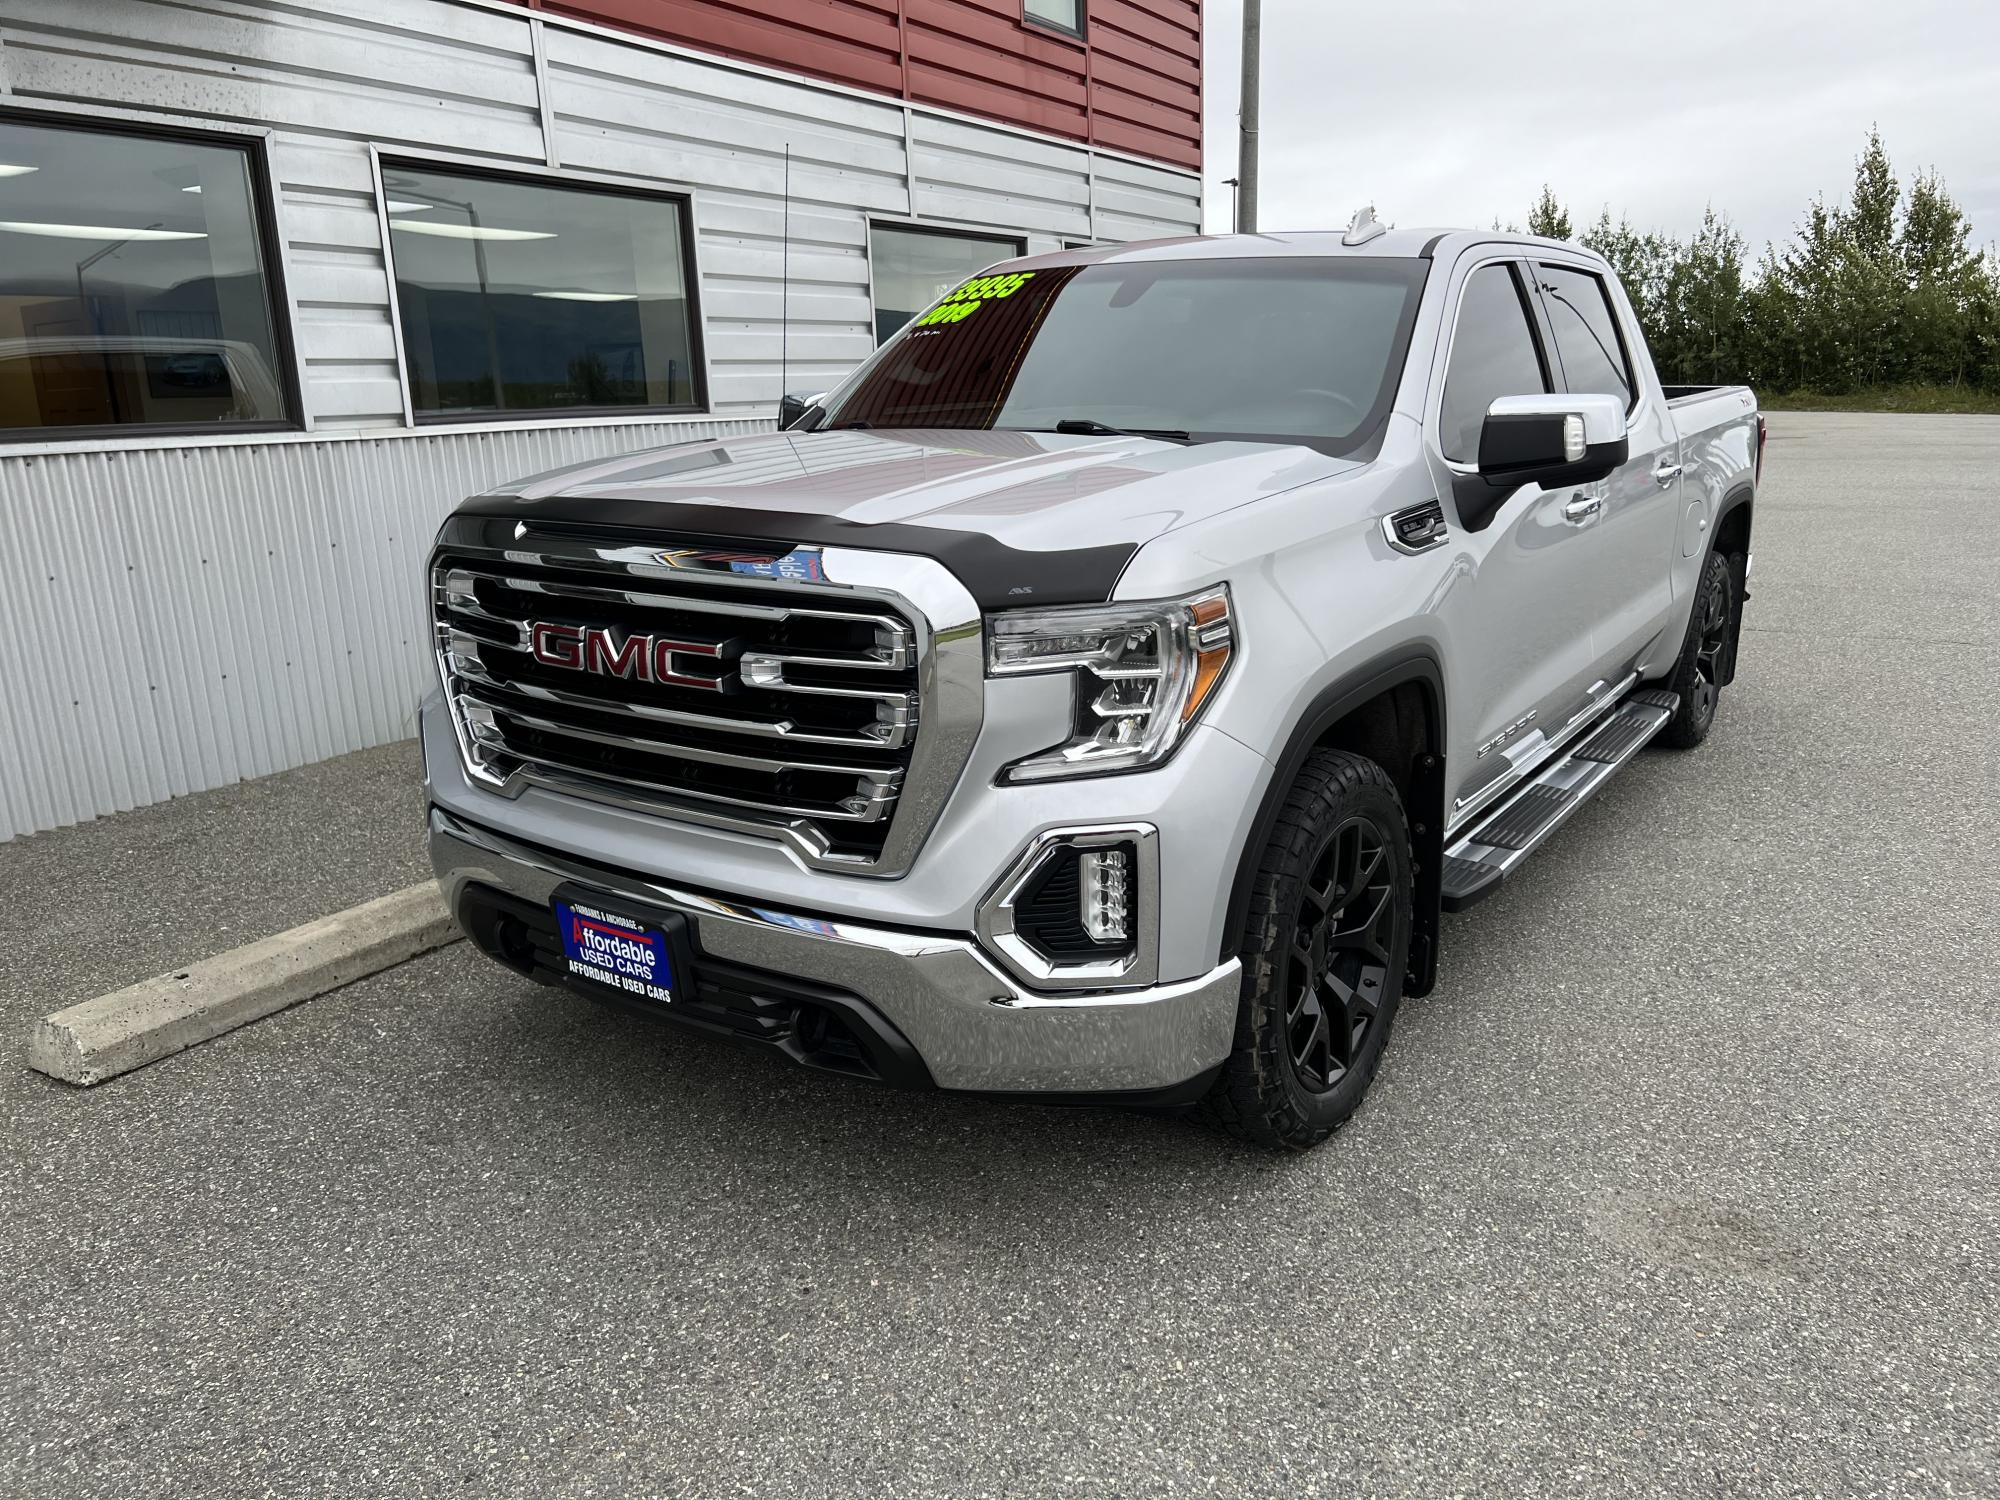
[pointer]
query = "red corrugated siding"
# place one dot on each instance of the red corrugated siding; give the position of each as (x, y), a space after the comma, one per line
(1133, 85)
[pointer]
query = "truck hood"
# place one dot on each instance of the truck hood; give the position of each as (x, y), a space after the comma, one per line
(1017, 511)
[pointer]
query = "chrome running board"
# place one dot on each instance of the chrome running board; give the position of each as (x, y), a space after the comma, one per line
(1478, 860)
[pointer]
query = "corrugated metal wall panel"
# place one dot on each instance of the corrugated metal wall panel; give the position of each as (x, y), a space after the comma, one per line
(981, 176)
(179, 618)
(726, 136)
(1132, 82)
(1145, 87)
(855, 42)
(1136, 202)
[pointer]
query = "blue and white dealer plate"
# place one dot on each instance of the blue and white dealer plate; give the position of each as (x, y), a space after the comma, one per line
(618, 951)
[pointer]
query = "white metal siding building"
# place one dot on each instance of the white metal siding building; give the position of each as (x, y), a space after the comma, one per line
(180, 611)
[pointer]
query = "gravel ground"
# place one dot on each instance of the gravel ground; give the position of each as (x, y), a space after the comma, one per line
(1684, 1182)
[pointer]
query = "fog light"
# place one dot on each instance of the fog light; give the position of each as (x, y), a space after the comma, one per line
(1078, 909)
(1079, 904)
(1106, 901)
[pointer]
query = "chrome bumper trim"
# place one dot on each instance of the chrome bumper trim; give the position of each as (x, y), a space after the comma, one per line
(975, 1027)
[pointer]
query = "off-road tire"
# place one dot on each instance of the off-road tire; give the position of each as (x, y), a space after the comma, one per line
(1697, 674)
(1265, 1093)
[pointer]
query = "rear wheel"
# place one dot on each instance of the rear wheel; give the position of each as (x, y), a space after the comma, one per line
(1698, 674)
(1325, 945)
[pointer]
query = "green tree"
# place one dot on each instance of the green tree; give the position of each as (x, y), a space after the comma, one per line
(1703, 317)
(1549, 218)
(1871, 286)
(1801, 288)
(1884, 288)
(1948, 285)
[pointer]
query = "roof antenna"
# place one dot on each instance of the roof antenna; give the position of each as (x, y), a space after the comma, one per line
(1363, 227)
(785, 296)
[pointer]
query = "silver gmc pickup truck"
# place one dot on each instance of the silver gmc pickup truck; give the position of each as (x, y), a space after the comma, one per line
(1105, 690)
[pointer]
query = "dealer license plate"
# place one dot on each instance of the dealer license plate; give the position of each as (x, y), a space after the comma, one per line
(623, 953)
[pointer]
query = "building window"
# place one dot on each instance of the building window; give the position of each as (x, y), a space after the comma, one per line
(912, 268)
(1063, 15)
(524, 297)
(135, 283)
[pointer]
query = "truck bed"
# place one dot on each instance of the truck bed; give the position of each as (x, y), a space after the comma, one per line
(1708, 410)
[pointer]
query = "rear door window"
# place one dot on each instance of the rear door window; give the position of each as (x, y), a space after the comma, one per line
(1587, 341)
(1493, 354)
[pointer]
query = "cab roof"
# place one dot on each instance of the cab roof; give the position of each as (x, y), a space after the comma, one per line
(1392, 243)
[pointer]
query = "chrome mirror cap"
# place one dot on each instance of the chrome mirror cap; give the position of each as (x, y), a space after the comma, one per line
(1602, 417)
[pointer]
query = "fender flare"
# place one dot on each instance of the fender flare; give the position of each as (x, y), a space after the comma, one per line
(1418, 663)
(1742, 495)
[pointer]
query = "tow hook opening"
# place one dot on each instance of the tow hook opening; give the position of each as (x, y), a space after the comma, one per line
(825, 1040)
(513, 945)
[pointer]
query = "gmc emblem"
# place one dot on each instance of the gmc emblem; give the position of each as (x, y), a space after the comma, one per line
(644, 658)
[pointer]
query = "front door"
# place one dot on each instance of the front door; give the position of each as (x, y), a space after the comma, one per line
(1519, 656)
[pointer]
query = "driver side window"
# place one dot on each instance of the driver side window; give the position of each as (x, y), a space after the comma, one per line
(1494, 353)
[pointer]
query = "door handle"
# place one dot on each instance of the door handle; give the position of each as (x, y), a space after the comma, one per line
(1666, 473)
(1581, 508)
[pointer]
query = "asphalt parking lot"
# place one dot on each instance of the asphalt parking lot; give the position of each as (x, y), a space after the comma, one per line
(1686, 1180)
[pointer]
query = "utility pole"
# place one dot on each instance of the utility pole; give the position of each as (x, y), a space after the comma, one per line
(1246, 140)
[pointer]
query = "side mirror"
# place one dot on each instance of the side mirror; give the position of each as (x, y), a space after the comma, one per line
(1552, 440)
(793, 407)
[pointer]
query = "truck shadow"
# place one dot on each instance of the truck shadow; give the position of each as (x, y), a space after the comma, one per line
(667, 1113)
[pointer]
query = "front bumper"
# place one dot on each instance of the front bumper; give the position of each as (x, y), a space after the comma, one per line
(973, 1027)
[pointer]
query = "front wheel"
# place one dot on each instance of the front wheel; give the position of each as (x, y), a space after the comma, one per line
(1698, 673)
(1325, 945)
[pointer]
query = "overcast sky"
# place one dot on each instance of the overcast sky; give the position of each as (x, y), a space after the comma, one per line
(1453, 112)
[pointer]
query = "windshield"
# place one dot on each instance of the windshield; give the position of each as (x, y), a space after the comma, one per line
(1293, 349)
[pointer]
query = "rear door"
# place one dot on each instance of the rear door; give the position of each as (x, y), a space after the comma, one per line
(1519, 617)
(1630, 549)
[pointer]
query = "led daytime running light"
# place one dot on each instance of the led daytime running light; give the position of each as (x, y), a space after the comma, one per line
(1143, 672)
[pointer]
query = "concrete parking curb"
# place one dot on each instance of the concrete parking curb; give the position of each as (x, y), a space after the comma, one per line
(155, 1018)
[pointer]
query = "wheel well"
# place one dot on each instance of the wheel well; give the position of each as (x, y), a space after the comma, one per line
(1732, 533)
(1392, 729)
(1397, 721)
(1395, 729)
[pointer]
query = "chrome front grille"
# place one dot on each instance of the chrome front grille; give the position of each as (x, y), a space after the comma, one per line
(747, 690)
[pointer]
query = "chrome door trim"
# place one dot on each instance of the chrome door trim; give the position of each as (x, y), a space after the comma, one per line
(1468, 808)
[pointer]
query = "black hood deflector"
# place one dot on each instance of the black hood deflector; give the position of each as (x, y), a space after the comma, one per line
(997, 576)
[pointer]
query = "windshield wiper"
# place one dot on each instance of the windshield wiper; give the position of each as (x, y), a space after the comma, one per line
(1095, 428)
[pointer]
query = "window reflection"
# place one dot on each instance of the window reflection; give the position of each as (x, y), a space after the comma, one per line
(912, 268)
(133, 288)
(519, 296)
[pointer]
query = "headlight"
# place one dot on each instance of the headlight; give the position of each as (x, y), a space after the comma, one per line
(1143, 671)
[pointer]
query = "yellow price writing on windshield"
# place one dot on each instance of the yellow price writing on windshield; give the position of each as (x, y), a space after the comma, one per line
(974, 295)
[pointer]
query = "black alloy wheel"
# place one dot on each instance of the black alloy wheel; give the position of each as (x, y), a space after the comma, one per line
(1326, 942)
(1338, 971)
(1697, 674)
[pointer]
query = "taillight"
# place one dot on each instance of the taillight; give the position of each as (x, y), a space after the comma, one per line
(1763, 432)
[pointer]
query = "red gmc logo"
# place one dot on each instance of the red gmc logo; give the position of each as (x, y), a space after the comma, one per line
(643, 658)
